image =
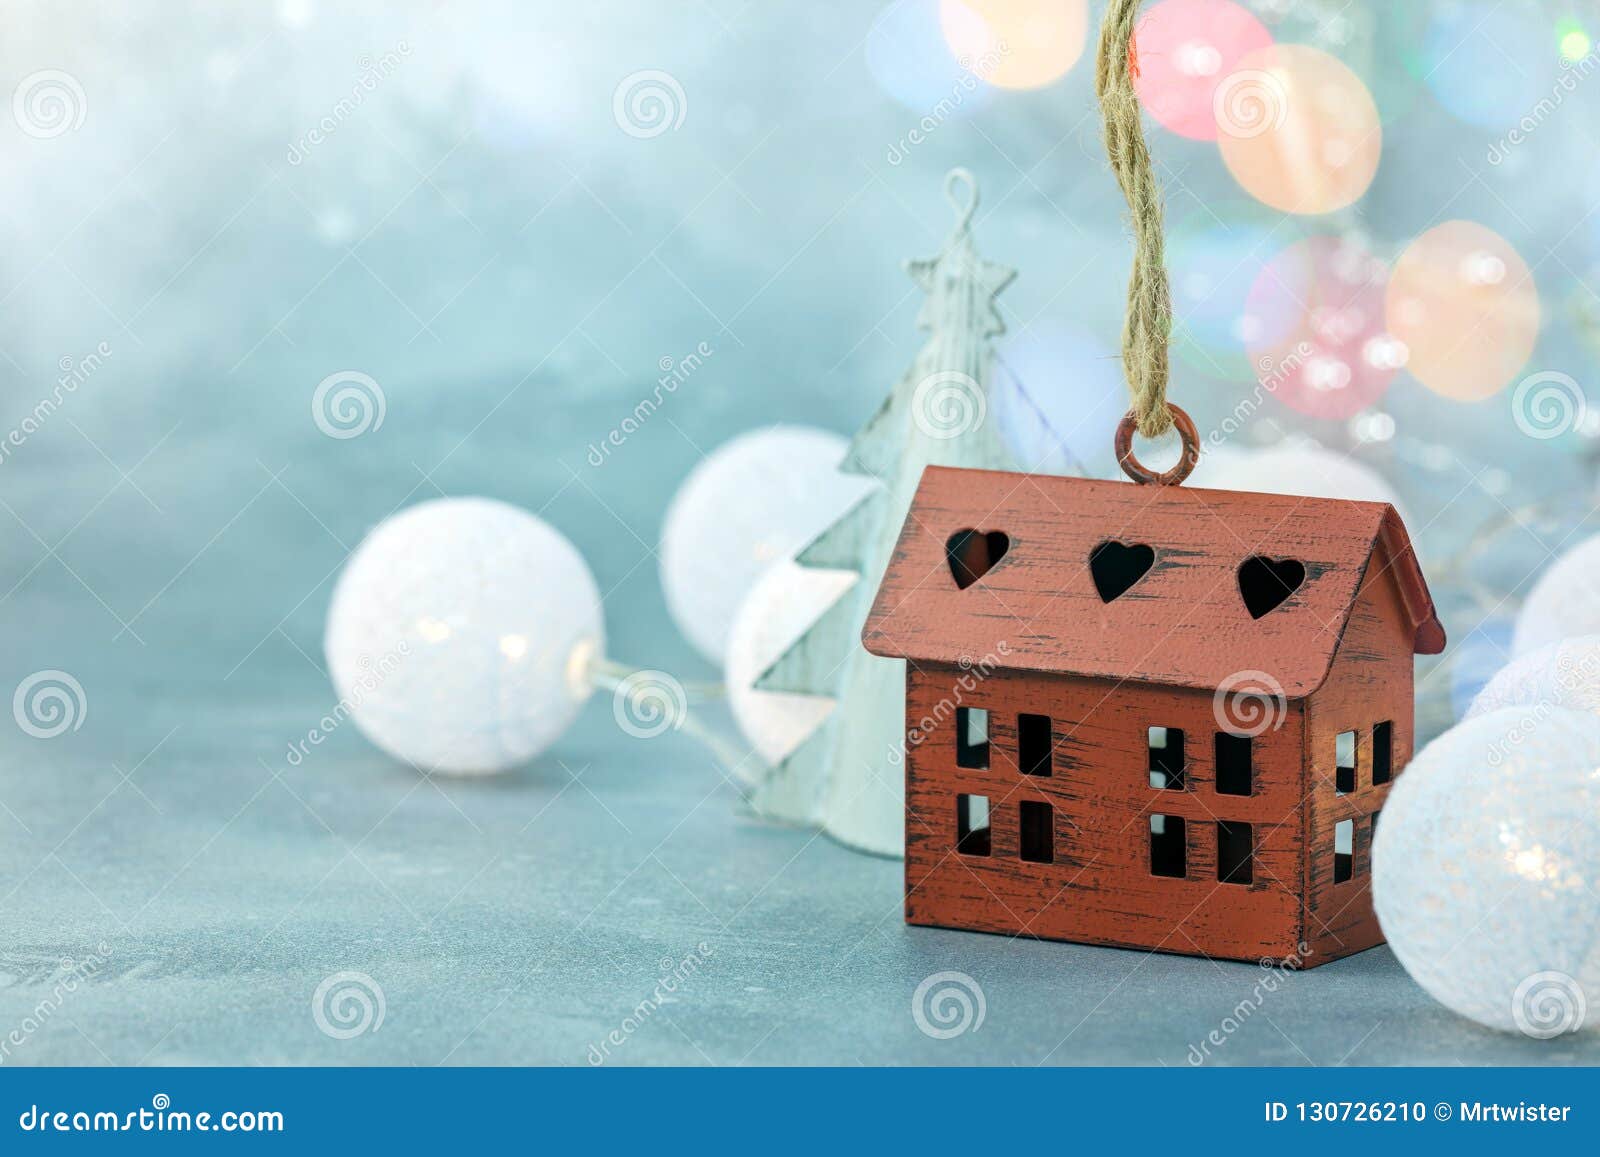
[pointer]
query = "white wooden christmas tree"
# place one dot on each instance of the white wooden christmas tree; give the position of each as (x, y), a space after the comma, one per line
(848, 775)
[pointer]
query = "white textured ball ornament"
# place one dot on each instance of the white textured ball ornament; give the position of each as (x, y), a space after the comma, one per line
(750, 503)
(1484, 871)
(1564, 602)
(1564, 674)
(461, 635)
(784, 603)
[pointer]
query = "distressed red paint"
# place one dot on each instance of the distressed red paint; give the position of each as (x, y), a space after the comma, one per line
(1164, 654)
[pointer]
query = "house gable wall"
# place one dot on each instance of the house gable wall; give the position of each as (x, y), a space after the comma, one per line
(1370, 681)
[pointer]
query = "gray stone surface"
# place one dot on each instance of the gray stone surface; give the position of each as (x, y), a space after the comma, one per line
(523, 919)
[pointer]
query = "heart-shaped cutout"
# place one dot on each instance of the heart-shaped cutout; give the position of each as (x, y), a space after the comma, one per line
(973, 553)
(1265, 583)
(1116, 566)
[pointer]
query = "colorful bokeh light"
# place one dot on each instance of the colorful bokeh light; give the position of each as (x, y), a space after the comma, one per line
(1573, 41)
(1016, 43)
(1338, 359)
(1298, 130)
(1184, 50)
(907, 57)
(1465, 305)
(1213, 259)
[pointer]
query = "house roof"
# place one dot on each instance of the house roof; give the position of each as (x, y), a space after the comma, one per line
(1183, 624)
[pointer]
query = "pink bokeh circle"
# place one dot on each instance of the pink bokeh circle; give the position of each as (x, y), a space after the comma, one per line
(1184, 49)
(1339, 358)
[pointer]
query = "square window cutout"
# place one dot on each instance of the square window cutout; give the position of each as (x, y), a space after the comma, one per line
(1166, 758)
(1235, 853)
(972, 737)
(972, 825)
(1344, 755)
(1169, 853)
(1033, 744)
(1382, 753)
(1038, 832)
(1233, 764)
(1344, 850)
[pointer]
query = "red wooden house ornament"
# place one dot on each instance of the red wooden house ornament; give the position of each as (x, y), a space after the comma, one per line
(1150, 716)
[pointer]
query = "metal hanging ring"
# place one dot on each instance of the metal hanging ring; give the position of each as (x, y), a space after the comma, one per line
(1134, 469)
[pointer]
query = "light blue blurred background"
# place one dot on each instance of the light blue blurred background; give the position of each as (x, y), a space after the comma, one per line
(482, 237)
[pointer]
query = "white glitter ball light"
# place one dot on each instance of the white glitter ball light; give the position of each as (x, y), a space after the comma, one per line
(1484, 871)
(460, 635)
(754, 501)
(785, 601)
(1564, 602)
(1564, 674)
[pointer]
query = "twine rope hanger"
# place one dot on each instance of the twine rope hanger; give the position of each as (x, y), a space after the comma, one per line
(1147, 329)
